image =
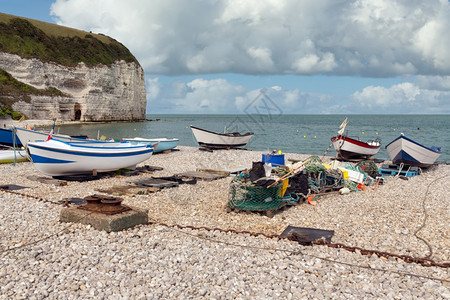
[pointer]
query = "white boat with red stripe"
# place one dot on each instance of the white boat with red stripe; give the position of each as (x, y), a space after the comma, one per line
(347, 147)
(353, 148)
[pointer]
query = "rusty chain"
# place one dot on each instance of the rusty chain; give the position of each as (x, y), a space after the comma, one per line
(31, 196)
(407, 258)
(426, 262)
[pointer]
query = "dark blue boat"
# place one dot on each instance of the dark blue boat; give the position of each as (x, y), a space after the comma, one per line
(8, 138)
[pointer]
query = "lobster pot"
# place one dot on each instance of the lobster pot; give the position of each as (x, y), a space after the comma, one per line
(246, 196)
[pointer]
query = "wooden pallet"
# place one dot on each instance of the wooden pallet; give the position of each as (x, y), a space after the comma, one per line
(200, 175)
(225, 171)
(357, 160)
(149, 169)
(128, 190)
(393, 172)
(156, 183)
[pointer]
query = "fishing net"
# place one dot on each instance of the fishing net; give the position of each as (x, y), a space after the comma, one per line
(248, 196)
(369, 167)
(313, 165)
(351, 185)
(321, 179)
(325, 181)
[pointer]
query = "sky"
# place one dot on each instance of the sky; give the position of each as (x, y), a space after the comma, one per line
(304, 56)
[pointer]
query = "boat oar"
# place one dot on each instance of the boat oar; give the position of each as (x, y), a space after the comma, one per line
(329, 147)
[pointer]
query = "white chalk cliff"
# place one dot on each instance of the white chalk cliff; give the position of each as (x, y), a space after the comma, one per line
(100, 93)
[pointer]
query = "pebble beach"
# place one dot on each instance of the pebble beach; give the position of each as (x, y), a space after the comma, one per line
(41, 257)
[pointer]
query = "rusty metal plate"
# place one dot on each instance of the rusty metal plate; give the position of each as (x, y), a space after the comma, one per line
(104, 204)
(306, 236)
(11, 187)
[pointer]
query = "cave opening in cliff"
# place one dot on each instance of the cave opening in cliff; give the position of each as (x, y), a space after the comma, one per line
(78, 115)
(77, 112)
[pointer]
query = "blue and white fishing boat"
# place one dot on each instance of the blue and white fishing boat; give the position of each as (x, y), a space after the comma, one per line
(8, 138)
(59, 158)
(405, 150)
(160, 144)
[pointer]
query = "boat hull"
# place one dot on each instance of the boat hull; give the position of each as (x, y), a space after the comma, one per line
(163, 144)
(350, 148)
(406, 151)
(11, 156)
(27, 135)
(215, 140)
(57, 158)
(7, 138)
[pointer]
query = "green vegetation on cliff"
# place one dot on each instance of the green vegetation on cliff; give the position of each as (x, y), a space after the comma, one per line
(50, 43)
(53, 43)
(12, 90)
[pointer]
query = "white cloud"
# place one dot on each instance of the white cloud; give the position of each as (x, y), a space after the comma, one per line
(401, 98)
(361, 37)
(262, 58)
(432, 41)
(439, 83)
(153, 88)
(312, 63)
(220, 96)
(197, 96)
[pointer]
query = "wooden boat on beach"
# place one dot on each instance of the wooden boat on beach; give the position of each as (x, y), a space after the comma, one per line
(349, 148)
(214, 140)
(405, 150)
(59, 158)
(28, 135)
(162, 144)
(352, 148)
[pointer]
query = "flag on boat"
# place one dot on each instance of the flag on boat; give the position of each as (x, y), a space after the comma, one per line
(342, 127)
(50, 135)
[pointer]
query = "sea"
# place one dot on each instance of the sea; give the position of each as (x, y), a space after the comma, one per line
(305, 134)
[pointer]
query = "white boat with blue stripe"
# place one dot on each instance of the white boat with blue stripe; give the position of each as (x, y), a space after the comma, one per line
(162, 144)
(59, 158)
(28, 135)
(405, 150)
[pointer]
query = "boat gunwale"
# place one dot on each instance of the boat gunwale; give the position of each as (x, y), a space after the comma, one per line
(354, 141)
(414, 142)
(136, 150)
(155, 140)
